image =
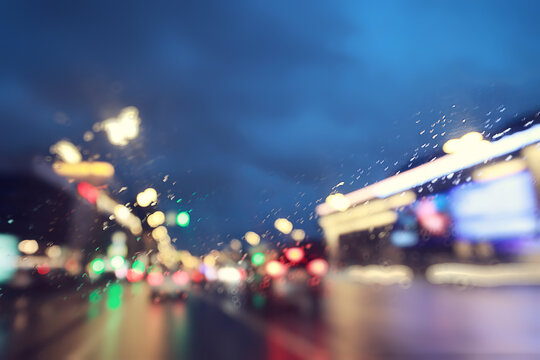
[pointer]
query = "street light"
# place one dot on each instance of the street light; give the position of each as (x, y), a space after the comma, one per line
(470, 141)
(67, 152)
(252, 238)
(283, 225)
(117, 261)
(338, 201)
(147, 197)
(125, 127)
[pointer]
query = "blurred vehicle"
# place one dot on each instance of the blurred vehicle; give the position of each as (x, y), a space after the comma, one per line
(297, 291)
(292, 281)
(168, 285)
(43, 279)
(227, 284)
(476, 204)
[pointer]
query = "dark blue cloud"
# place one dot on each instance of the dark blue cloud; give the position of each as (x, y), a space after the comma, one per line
(260, 108)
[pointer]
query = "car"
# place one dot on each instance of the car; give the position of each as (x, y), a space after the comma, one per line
(166, 284)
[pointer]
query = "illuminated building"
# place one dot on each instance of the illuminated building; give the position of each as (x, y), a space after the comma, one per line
(482, 193)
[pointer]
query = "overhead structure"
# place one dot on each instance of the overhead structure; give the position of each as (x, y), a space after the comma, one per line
(376, 205)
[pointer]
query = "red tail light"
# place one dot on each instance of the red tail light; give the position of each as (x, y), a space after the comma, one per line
(154, 279)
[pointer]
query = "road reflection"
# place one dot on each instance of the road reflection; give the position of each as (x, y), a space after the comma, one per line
(122, 321)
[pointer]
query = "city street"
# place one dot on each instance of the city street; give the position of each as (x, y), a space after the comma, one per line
(250, 180)
(356, 322)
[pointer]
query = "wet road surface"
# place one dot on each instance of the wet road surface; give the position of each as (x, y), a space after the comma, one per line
(122, 321)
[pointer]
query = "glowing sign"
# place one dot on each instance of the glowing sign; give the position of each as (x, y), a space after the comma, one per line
(443, 166)
(495, 210)
(8, 256)
(84, 169)
(404, 238)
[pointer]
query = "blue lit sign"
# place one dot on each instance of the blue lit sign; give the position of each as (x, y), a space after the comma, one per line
(8, 256)
(404, 238)
(501, 209)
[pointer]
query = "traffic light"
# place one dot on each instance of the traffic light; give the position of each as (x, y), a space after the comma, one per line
(97, 266)
(257, 259)
(182, 219)
(88, 191)
(138, 266)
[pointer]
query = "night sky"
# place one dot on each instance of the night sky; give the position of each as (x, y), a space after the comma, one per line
(257, 109)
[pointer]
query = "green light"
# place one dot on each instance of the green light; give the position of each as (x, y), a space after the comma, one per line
(94, 297)
(138, 266)
(182, 219)
(117, 261)
(257, 259)
(115, 297)
(98, 266)
(258, 301)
